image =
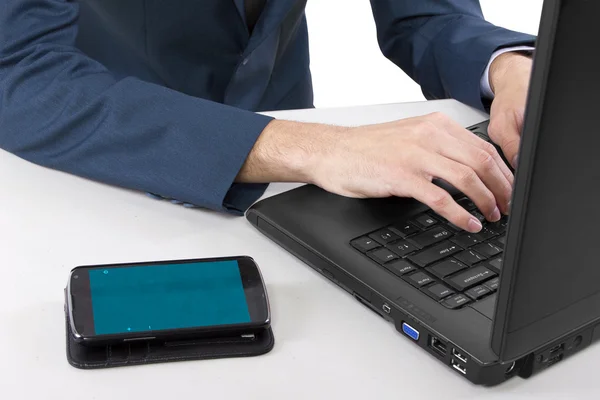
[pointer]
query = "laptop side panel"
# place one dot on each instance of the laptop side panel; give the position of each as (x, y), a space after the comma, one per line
(550, 284)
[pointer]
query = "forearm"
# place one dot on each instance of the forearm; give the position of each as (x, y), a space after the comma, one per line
(443, 46)
(509, 78)
(61, 109)
(288, 151)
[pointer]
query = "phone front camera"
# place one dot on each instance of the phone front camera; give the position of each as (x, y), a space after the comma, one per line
(75, 276)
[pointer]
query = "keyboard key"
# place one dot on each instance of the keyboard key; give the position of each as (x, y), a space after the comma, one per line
(470, 257)
(492, 284)
(364, 244)
(470, 277)
(466, 240)
(453, 227)
(446, 268)
(478, 215)
(496, 264)
(488, 249)
(402, 248)
(404, 229)
(400, 267)
(456, 301)
(500, 226)
(432, 236)
(425, 221)
(485, 234)
(418, 279)
(466, 203)
(435, 253)
(384, 236)
(382, 255)
(478, 292)
(501, 241)
(438, 291)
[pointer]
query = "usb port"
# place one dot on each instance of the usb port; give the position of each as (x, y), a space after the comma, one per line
(438, 346)
(556, 349)
(458, 355)
(554, 360)
(459, 367)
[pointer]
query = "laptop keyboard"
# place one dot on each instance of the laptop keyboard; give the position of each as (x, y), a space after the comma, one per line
(450, 265)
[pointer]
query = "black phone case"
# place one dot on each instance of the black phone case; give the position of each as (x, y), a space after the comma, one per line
(140, 353)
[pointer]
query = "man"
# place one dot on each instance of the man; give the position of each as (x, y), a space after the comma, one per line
(160, 96)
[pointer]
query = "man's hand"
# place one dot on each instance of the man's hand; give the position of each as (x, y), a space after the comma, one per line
(402, 158)
(394, 159)
(509, 80)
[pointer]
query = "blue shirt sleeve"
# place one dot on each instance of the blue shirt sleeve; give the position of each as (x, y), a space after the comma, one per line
(445, 46)
(63, 110)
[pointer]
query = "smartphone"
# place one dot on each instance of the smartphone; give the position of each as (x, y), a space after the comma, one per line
(166, 300)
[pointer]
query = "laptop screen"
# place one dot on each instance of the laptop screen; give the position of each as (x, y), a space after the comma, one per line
(551, 275)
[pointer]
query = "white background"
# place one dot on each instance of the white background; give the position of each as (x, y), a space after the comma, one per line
(347, 65)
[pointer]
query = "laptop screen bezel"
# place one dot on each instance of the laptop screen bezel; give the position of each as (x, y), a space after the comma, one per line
(510, 346)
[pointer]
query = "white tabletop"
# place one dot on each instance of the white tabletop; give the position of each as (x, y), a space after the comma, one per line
(327, 345)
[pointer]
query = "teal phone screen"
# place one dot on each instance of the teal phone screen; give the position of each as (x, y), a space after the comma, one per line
(167, 296)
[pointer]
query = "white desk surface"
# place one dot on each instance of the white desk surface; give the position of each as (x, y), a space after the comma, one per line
(328, 346)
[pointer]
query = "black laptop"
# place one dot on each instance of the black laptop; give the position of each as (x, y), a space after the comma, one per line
(516, 298)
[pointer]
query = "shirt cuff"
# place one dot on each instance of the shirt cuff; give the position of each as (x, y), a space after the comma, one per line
(486, 89)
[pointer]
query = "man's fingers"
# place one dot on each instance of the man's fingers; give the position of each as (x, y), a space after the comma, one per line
(457, 131)
(465, 179)
(487, 169)
(442, 203)
(505, 132)
(510, 147)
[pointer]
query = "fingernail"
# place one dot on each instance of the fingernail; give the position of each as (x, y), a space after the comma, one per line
(495, 216)
(515, 160)
(474, 225)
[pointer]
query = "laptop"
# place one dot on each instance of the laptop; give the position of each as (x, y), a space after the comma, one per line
(516, 298)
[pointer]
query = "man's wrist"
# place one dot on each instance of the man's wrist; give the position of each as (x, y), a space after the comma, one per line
(288, 151)
(486, 90)
(510, 69)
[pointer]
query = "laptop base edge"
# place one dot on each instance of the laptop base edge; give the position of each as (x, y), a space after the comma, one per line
(441, 349)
